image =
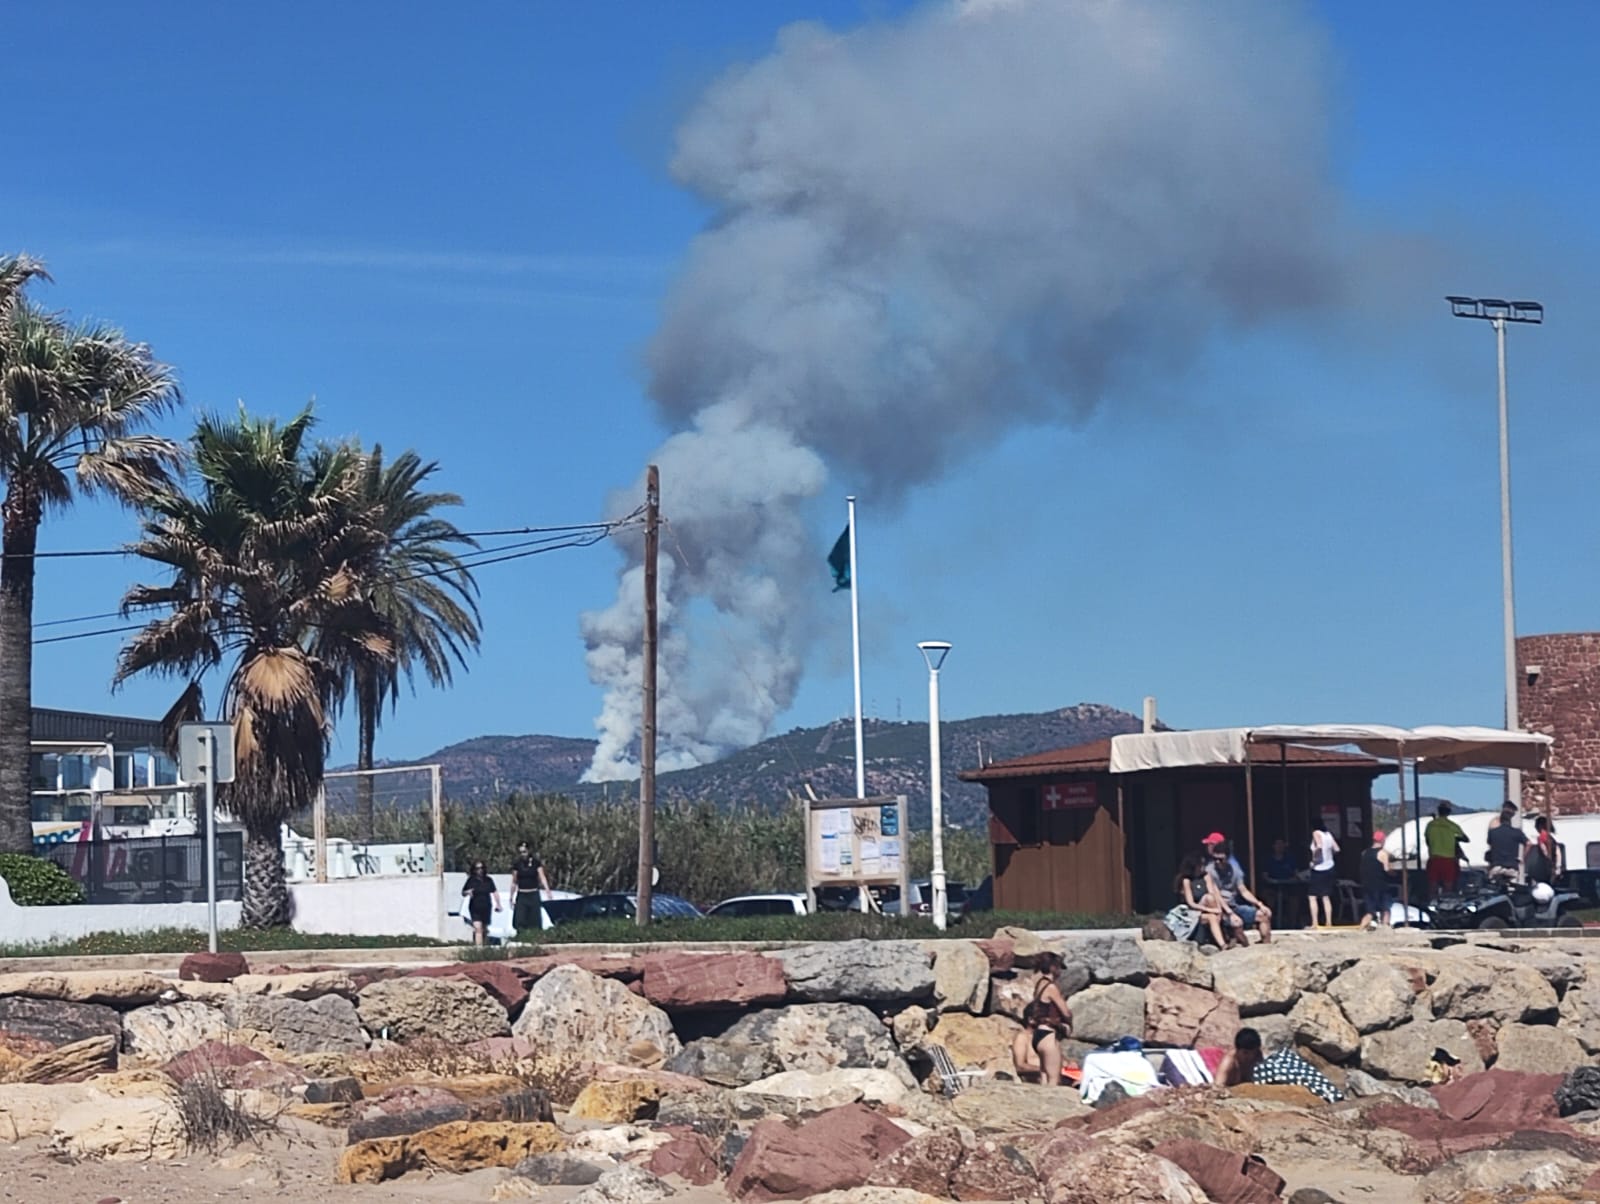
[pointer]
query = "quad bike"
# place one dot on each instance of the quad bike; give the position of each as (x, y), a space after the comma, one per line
(1492, 901)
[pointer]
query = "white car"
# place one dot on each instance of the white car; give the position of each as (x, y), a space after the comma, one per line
(759, 905)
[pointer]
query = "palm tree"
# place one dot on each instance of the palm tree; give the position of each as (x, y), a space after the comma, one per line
(265, 556)
(73, 401)
(422, 597)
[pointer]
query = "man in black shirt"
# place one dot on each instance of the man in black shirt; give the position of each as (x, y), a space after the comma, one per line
(527, 879)
(1507, 843)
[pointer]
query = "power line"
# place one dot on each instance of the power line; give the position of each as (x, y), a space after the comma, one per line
(579, 536)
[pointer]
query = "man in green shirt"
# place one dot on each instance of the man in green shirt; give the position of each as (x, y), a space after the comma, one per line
(1444, 839)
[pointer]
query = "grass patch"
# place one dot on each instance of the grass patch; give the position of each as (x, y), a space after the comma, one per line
(828, 926)
(215, 1118)
(195, 940)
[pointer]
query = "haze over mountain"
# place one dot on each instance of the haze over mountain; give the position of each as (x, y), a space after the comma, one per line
(487, 768)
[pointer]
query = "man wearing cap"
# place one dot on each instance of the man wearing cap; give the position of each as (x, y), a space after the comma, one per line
(1375, 883)
(1227, 875)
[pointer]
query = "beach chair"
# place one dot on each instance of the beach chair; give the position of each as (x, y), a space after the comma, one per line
(952, 1081)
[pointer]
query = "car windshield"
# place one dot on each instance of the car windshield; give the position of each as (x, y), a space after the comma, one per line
(664, 906)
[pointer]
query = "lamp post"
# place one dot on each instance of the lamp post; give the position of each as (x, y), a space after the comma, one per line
(1498, 313)
(934, 652)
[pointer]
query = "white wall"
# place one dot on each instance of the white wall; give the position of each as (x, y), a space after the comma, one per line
(413, 905)
(21, 925)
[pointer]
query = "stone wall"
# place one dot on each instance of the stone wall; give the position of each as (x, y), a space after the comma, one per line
(1563, 701)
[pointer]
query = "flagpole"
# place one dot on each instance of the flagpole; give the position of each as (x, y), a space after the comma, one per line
(855, 640)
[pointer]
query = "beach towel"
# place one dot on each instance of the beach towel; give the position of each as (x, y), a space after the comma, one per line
(1131, 1071)
(1185, 1068)
(1225, 1177)
(1287, 1068)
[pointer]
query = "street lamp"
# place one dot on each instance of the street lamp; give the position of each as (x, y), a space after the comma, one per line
(934, 652)
(1498, 312)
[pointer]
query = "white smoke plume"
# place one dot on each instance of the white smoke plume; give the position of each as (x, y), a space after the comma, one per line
(927, 232)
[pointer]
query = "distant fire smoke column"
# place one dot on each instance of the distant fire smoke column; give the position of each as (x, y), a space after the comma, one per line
(927, 233)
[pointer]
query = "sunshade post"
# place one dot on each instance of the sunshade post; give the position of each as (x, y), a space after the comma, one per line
(1250, 814)
(1405, 870)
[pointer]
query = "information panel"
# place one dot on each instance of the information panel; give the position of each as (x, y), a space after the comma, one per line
(860, 842)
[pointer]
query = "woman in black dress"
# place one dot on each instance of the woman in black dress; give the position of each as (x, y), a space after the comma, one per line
(479, 891)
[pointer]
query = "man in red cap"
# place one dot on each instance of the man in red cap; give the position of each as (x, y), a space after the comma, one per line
(1375, 883)
(1240, 907)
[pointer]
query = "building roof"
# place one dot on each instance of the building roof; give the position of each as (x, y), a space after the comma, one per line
(1095, 757)
(82, 727)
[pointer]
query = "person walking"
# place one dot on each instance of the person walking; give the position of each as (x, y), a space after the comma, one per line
(1375, 884)
(1444, 839)
(527, 882)
(1324, 881)
(479, 890)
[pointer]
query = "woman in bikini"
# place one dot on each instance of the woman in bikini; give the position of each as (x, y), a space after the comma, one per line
(1037, 1050)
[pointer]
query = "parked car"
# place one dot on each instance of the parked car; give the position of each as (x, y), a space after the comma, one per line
(760, 905)
(618, 905)
(955, 894)
(979, 898)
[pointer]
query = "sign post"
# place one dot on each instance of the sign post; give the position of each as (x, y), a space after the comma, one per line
(207, 749)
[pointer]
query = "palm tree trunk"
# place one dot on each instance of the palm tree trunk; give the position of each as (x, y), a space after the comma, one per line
(266, 887)
(367, 703)
(19, 516)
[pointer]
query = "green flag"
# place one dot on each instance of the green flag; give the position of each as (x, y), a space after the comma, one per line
(839, 561)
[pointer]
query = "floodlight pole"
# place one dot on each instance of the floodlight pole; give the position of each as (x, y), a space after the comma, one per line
(1498, 313)
(934, 652)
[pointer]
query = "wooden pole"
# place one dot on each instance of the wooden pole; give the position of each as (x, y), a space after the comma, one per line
(1125, 890)
(436, 800)
(647, 735)
(1405, 872)
(1249, 817)
(319, 835)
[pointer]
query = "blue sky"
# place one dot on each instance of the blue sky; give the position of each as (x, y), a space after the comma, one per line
(454, 227)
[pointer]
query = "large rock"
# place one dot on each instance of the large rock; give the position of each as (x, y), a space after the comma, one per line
(454, 1148)
(1084, 1177)
(160, 1032)
(1359, 1084)
(1260, 979)
(211, 1059)
(1114, 957)
(992, 1106)
(580, 1017)
(325, 1025)
(29, 1026)
(451, 1009)
(689, 1157)
(1580, 1016)
(825, 1089)
(910, 1026)
(960, 977)
(1511, 994)
(1374, 995)
(559, 1170)
(123, 1129)
(212, 967)
(1010, 993)
(1103, 1014)
(618, 1102)
(717, 1112)
(1537, 1049)
(624, 1184)
(1026, 947)
(976, 1042)
(505, 981)
(694, 982)
(31, 1109)
(1403, 1053)
(926, 1163)
(120, 989)
(815, 1036)
(71, 1063)
(1317, 1022)
(1180, 960)
(1176, 1013)
(994, 1169)
(859, 972)
(1509, 1174)
(1579, 1091)
(838, 1149)
(301, 984)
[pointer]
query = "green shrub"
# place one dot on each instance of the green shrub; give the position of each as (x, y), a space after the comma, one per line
(35, 882)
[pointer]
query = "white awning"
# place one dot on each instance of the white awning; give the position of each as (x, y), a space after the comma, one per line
(1436, 748)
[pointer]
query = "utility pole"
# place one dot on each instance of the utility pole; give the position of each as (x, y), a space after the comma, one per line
(647, 741)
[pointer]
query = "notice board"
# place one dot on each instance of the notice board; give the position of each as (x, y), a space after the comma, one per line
(858, 842)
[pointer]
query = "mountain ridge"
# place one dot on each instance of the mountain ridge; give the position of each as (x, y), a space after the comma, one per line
(484, 769)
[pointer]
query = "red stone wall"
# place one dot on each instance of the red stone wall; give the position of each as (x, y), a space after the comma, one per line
(1564, 702)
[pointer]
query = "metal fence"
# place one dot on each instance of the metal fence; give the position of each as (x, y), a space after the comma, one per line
(152, 869)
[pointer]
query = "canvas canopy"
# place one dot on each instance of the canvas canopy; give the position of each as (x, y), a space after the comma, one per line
(1435, 748)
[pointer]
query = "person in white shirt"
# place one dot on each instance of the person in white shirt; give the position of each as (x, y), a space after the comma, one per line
(1324, 881)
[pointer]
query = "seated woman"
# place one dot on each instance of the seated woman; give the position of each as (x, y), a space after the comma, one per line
(1037, 1049)
(1199, 903)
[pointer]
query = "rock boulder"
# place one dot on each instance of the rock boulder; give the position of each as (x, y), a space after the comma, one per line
(580, 1017)
(1374, 995)
(859, 971)
(1179, 960)
(1261, 979)
(811, 1036)
(121, 1129)
(838, 1149)
(160, 1032)
(71, 1063)
(960, 977)
(505, 981)
(1105, 1013)
(1403, 1053)
(29, 1026)
(1176, 1013)
(328, 1024)
(212, 967)
(1511, 994)
(1317, 1022)
(691, 982)
(454, 1148)
(451, 1009)
(1537, 1049)
(976, 1042)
